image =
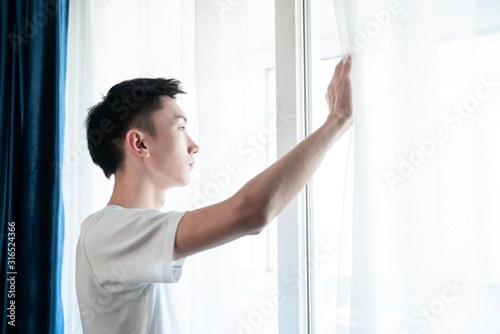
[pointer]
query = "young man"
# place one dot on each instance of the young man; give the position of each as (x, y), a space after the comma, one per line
(138, 133)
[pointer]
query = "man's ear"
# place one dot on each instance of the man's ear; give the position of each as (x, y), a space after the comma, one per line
(135, 141)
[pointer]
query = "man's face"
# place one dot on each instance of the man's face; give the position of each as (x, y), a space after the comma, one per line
(171, 159)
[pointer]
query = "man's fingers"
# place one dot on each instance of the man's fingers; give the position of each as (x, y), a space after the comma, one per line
(346, 68)
(341, 74)
(341, 68)
(337, 72)
(347, 59)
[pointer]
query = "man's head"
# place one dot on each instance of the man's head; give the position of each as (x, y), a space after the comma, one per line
(139, 121)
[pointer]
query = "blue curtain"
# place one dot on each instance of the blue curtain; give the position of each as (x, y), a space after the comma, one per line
(33, 74)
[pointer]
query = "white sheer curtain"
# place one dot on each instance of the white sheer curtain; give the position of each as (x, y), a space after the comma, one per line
(420, 240)
(223, 52)
(82, 90)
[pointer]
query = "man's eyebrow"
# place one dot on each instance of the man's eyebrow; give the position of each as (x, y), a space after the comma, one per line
(183, 117)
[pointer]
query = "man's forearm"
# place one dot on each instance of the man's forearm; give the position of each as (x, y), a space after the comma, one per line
(271, 190)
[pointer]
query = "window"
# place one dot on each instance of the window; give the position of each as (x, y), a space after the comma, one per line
(326, 191)
(251, 98)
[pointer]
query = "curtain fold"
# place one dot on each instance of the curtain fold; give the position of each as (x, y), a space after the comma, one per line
(33, 70)
(420, 235)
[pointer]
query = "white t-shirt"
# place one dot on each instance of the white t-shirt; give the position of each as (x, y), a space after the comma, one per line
(124, 259)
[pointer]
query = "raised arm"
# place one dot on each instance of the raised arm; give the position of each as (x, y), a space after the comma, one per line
(263, 197)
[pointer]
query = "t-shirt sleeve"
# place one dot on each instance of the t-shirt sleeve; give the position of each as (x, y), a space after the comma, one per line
(126, 248)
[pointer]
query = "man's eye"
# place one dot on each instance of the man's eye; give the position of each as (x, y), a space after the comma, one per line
(182, 128)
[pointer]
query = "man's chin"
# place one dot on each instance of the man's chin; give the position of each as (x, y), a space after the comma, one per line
(184, 182)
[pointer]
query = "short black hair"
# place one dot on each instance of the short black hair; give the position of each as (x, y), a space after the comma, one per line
(129, 104)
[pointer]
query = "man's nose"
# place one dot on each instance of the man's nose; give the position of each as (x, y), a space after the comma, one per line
(193, 147)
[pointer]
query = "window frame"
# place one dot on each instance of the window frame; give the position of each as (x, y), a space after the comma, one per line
(294, 281)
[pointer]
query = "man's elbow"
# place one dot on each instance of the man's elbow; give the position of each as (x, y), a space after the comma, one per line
(260, 222)
(262, 218)
(256, 216)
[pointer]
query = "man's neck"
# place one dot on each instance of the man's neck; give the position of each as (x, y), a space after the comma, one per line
(136, 193)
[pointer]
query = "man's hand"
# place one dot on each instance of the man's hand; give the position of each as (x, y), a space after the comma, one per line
(339, 92)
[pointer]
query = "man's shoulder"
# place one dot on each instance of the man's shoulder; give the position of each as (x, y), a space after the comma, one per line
(119, 217)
